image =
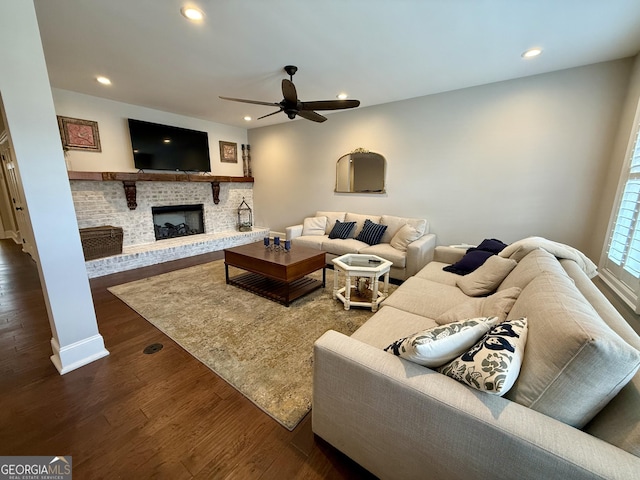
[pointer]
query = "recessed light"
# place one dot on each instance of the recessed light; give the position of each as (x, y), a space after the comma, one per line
(532, 52)
(192, 13)
(247, 118)
(167, 140)
(342, 96)
(103, 80)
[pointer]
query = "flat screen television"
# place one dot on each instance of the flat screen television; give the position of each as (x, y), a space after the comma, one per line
(162, 147)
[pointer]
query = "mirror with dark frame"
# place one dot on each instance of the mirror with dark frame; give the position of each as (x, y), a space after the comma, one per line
(361, 171)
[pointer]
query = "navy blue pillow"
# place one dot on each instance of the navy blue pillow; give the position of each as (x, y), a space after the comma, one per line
(371, 233)
(342, 230)
(471, 261)
(491, 245)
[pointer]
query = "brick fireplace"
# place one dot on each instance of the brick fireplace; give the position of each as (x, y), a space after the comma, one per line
(99, 203)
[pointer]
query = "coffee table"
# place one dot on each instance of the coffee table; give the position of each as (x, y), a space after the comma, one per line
(359, 266)
(278, 275)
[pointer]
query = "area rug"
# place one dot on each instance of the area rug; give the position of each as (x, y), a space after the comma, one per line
(262, 348)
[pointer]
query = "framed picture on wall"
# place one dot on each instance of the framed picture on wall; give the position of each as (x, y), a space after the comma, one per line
(228, 152)
(78, 134)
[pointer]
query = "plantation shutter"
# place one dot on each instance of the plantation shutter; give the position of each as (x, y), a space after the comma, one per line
(622, 264)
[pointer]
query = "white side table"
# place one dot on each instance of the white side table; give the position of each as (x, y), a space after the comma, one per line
(370, 267)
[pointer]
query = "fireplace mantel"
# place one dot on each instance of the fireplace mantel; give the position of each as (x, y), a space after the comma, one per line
(129, 180)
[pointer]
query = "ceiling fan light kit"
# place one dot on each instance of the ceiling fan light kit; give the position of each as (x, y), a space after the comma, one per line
(292, 106)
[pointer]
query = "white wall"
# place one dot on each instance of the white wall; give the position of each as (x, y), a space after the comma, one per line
(116, 155)
(505, 160)
(31, 122)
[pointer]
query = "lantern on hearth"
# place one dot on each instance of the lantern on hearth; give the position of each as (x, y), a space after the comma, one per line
(245, 217)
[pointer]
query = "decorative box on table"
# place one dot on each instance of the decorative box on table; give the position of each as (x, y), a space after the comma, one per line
(98, 242)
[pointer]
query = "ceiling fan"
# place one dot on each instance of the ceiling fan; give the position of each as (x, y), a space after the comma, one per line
(292, 106)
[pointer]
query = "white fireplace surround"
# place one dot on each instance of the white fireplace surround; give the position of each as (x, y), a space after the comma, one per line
(99, 203)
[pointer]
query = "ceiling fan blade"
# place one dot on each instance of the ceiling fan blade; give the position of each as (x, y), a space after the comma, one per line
(313, 116)
(329, 104)
(269, 114)
(289, 91)
(255, 102)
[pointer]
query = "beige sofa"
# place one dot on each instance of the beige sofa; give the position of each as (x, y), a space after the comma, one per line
(406, 241)
(571, 414)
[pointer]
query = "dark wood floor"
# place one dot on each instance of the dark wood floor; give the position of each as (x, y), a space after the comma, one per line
(131, 415)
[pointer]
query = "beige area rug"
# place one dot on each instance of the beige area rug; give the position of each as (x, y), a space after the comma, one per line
(260, 347)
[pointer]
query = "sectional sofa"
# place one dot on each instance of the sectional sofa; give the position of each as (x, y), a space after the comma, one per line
(573, 411)
(405, 241)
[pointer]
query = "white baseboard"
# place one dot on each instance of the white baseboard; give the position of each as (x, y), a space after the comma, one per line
(76, 355)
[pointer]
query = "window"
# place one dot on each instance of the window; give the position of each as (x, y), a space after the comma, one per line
(621, 265)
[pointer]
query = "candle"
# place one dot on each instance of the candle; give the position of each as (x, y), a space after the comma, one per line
(287, 245)
(266, 241)
(276, 241)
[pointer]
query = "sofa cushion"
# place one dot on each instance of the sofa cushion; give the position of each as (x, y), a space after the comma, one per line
(438, 345)
(359, 219)
(574, 363)
(341, 230)
(424, 297)
(371, 232)
(311, 241)
(314, 226)
(331, 219)
(486, 278)
(394, 224)
(337, 246)
(472, 259)
(404, 236)
(492, 365)
(529, 267)
(434, 271)
(389, 324)
(497, 305)
(386, 251)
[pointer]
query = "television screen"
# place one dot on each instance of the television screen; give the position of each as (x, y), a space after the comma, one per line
(162, 147)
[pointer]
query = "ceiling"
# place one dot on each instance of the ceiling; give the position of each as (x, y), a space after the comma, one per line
(377, 51)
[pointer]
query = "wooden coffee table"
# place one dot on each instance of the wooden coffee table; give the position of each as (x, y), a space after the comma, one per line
(277, 275)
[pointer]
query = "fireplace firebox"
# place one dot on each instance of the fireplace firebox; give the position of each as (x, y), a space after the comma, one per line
(177, 221)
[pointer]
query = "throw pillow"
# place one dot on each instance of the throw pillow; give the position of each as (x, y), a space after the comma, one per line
(497, 305)
(493, 364)
(467, 264)
(371, 233)
(342, 230)
(404, 236)
(492, 245)
(486, 278)
(436, 346)
(314, 225)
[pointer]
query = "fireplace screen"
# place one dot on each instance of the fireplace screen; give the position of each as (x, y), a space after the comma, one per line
(177, 221)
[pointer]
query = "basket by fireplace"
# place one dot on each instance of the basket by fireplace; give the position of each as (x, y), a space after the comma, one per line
(98, 242)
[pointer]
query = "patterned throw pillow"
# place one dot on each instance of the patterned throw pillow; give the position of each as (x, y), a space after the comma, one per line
(492, 365)
(438, 345)
(371, 233)
(342, 230)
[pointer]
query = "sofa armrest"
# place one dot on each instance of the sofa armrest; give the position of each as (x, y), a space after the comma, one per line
(419, 253)
(293, 232)
(448, 254)
(401, 420)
